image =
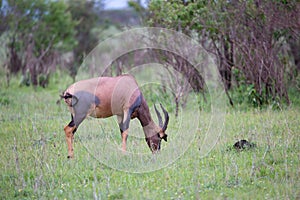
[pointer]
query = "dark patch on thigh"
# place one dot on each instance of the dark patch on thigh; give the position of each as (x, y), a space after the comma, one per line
(124, 126)
(84, 102)
(135, 105)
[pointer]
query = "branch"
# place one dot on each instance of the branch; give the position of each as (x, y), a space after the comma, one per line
(47, 49)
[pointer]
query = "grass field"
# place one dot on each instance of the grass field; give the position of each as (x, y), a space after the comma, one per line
(34, 164)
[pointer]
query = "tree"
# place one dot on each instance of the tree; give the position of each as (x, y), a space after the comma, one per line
(38, 30)
(86, 15)
(247, 37)
(188, 17)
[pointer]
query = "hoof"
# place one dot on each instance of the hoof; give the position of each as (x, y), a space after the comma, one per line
(124, 152)
(70, 157)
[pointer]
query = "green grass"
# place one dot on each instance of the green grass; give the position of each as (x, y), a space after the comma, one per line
(33, 163)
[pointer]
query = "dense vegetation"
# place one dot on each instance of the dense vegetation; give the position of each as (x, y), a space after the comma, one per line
(255, 43)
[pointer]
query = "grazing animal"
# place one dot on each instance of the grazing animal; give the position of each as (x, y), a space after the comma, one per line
(107, 96)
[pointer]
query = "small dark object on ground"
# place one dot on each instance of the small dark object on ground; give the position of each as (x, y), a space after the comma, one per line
(243, 144)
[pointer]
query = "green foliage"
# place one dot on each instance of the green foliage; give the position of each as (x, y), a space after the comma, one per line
(25, 79)
(247, 97)
(85, 15)
(294, 93)
(4, 99)
(170, 14)
(244, 95)
(155, 94)
(45, 22)
(249, 94)
(136, 6)
(59, 24)
(38, 31)
(183, 16)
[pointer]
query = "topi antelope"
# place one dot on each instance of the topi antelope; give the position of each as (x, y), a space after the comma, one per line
(107, 96)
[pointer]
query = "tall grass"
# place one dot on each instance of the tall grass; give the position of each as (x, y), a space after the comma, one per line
(34, 164)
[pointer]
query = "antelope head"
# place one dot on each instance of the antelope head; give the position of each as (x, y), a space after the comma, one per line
(154, 133)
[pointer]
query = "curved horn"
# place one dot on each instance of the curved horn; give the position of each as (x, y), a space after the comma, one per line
(159, 117)
(166, 118)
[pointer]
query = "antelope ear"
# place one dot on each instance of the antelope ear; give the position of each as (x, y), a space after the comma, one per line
(165, 137)
(162, 135)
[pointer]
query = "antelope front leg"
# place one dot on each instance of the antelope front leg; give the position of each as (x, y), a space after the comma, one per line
(124, 125)
(69, 138)
(124, 140)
